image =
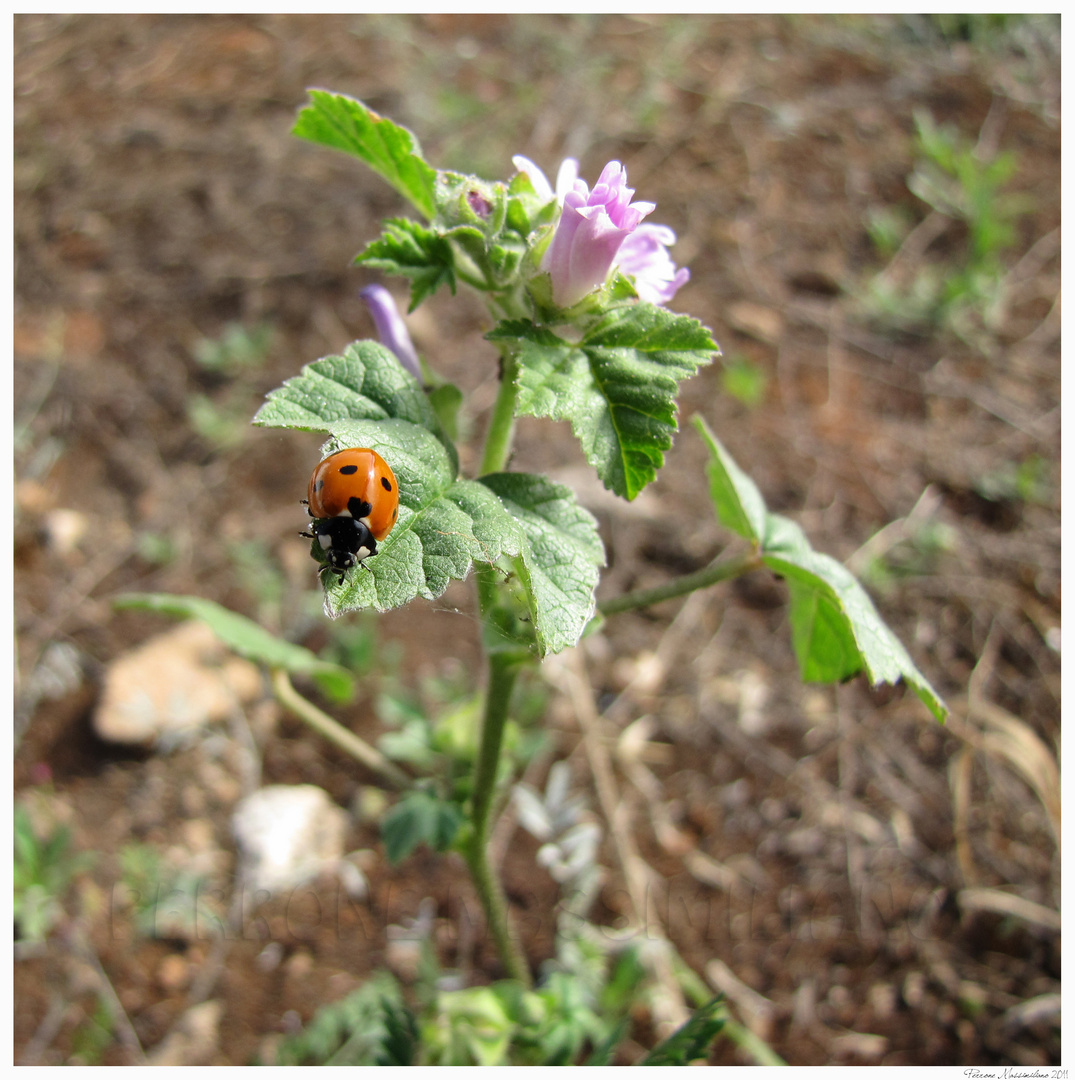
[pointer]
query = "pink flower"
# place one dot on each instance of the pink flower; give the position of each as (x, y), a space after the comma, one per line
(391, 328)
(644, 256)
(592, 226)
(602, 230)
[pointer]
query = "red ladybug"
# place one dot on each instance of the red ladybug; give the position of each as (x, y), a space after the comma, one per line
(354, 501)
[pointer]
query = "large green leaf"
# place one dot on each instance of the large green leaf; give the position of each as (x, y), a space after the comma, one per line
(561, 557)
(365, 382)
(246, 638)
(836, 630)
(346, 124)
(835, 627)
(617, 386)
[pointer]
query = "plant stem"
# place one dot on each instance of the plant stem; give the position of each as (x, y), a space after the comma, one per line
(335, 732)
(700, 579)
(497, 696)
(502, 422)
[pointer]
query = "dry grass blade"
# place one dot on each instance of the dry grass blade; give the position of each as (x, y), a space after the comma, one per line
(1002, 903)
(1011, 740)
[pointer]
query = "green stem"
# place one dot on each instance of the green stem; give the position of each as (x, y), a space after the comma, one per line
(497, 696)
(502, 422)
(700, 579)
(335, 732)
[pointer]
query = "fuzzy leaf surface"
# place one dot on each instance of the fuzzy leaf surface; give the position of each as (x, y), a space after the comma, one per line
(617, 386)
(444, 525)
(561, 557)
(365, 382)
(346, 124)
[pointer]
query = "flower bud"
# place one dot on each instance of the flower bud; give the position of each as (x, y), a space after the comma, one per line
(391, 328)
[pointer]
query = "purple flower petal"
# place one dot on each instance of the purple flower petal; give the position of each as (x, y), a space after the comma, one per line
(391, 328)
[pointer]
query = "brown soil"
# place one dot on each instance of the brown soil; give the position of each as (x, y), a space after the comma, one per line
(159, 197)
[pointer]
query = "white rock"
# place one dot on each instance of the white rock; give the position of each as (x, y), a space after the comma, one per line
(287, 835)
(171, 686)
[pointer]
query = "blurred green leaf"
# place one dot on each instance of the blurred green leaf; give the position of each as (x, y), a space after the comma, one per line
(693, 1039)
(419, 818)
(246, 638)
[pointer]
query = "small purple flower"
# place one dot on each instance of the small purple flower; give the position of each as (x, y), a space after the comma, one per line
(391, 328)
(592, 226)
(644, 257)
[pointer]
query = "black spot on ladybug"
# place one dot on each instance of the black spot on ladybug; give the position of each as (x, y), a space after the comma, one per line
(386, 483)
(359, 508)
(348, 470)
(395, 513)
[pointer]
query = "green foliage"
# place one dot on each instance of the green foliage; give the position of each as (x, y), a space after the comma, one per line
(371, 1026)
(420, 817)
(44, 868)
(617, 385)
(392, 151)
(247, 638)
(744, 380)
(165, 901)
(693, 1039)
(952, 177)
(238, 348)
(92, 1037)
(415, 252)
(365, 398)
(836, 630)
(222, 424)
(1026, 481)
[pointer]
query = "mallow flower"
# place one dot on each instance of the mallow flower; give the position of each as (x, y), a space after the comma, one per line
(599, 230)
(391, 328)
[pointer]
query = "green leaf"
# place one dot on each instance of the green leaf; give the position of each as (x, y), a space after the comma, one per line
(736, 498)
(371, 1026)
(365, 382)
(560, 560)
(415, 252)
(444, 526)
(617, 386)
(419, 818)
(693, 1039)
(246, 638)
(346, 124)
(836, 630)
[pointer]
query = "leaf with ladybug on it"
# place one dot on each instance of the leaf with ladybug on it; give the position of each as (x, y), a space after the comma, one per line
(445, 525)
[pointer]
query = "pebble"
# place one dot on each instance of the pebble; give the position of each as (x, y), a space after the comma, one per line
(172, 686)
(287, 835)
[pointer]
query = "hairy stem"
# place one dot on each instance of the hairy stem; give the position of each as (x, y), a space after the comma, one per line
(502, 422)
(700, 579)
(497, 696)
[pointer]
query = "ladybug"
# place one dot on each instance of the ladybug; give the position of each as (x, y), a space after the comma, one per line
(354, 501)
